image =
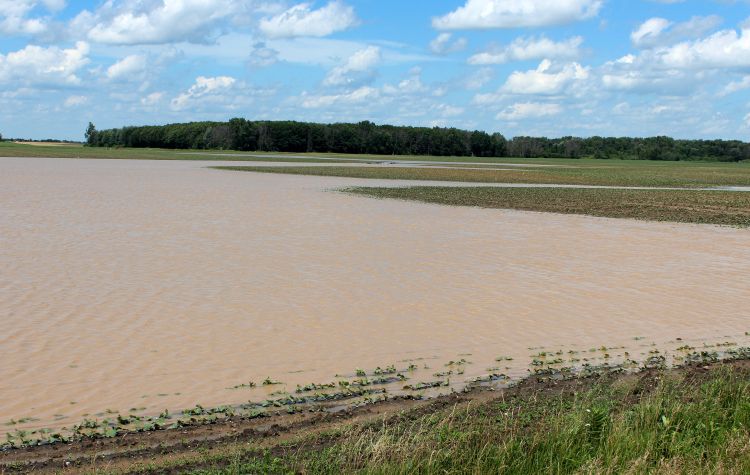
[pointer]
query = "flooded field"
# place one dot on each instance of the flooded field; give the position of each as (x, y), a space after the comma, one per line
(161, 284)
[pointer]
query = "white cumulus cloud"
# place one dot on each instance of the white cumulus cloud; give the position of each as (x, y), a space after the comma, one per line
(628, 74)
(723, 49)
(660, 32)
(363, 94)
(127, 68)
(524, 49)
(486, 14)
(302, 20)
(73, 101)
(545, 79)
(204, 87)
(411, 84)
(138, 22)
(447, 110)
(356, 68)
(39, 65)
(14, 16)
(736, 86)
(682, 67)
(525, 110)
(444, 44)
(649, 30)
(478, 78)
(152, 99)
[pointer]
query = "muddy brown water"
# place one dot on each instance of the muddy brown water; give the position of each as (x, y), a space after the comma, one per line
(159, 284)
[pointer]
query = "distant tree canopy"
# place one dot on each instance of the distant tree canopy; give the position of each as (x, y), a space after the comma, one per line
(90, 135)
(368, 138)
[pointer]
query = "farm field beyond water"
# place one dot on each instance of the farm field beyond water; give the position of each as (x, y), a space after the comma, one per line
(679, 205)
(690, 206)
(539, 171)
(43, 150)
(573, 172)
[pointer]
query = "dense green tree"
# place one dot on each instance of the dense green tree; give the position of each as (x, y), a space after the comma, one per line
(367, 137)
(90, 135)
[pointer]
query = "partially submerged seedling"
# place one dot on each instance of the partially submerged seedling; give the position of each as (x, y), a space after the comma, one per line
(196, 411)
(727, 343)
(426, 385)
(655, 362)
(314, 387)
(457, 363)
(379, 380)
(388, 370)
(685, 348)
(490, 378)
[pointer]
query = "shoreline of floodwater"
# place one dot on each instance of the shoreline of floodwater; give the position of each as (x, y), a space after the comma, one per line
(217, 436)
(366, 388)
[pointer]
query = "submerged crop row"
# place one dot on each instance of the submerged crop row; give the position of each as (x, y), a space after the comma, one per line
(362, 390)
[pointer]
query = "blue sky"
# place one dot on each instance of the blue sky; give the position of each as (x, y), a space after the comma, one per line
(532, 67)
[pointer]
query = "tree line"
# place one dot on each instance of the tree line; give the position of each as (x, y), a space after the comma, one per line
(368, 138)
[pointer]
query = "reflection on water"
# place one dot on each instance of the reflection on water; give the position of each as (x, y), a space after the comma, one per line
(159, 284)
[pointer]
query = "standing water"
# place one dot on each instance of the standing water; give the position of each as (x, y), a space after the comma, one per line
(160, 284)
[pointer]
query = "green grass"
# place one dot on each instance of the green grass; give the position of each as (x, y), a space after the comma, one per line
(575, 172)
(675, 422)
(690, 206)
(9, 149)
(566, 171)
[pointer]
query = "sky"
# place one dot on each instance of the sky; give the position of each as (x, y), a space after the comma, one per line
(533, 67)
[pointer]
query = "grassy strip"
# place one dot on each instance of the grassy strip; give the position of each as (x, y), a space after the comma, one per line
(9, 149)
(674, 175)
(569, 171)
(12, 149)
(687, 421)
(713, 207)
